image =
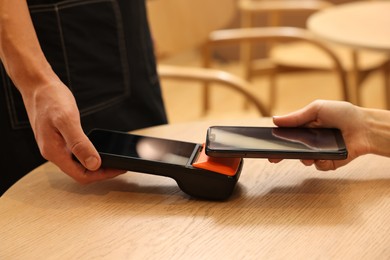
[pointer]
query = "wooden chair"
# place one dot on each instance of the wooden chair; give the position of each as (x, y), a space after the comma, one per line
(302, 55)
(273, 34)
(179, 29)
(239, 87)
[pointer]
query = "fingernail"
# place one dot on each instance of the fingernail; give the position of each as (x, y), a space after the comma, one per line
(91, 163)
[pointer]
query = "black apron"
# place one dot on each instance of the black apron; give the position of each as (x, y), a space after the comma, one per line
(100, 49)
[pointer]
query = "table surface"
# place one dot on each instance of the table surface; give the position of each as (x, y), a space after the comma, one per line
(362, 24)
(278, 211)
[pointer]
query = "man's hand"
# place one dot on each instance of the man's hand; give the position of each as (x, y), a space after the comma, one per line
(50, 105)
(55, 120)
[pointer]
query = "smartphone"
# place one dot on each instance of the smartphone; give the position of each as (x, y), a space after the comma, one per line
(195, 173)
(275, 143)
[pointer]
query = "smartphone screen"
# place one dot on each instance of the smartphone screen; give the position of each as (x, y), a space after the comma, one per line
(275, 142)
(142, 147)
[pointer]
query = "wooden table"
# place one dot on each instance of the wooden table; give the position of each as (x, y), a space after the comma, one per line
(358, 25)
(282, 211)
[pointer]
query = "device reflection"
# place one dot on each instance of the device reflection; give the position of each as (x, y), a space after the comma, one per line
(159, 150)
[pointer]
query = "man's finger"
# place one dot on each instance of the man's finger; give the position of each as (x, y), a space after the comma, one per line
(79, 145)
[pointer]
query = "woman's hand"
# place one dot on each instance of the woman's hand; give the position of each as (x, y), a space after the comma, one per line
(348, 118)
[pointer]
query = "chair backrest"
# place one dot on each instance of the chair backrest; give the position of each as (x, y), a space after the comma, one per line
(275, 8)
(221, 78)
(273, 12)
(251, 35)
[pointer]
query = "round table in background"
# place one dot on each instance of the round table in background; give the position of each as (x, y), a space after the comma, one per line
(357, 25)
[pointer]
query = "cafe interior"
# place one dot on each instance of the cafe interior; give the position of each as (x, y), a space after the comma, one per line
(228, 62)
(282, 74)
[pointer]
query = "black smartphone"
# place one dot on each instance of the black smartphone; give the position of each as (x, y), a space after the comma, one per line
(195, 173)
(276, 143)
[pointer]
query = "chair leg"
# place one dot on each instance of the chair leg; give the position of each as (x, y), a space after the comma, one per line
(386, 74)
(354, 80)
(206, 98)
(272, 91)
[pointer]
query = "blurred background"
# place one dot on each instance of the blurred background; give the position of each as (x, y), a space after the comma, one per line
(287, 77)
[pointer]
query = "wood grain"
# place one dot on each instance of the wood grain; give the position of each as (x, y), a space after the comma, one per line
(278, 211)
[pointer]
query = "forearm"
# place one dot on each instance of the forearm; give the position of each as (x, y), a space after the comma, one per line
(20, 50)
(378, 131)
